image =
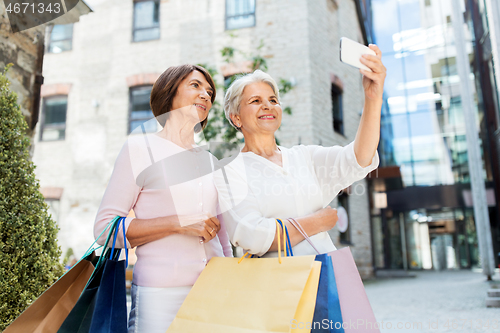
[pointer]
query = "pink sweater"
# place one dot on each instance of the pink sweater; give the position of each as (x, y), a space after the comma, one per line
(156, 178)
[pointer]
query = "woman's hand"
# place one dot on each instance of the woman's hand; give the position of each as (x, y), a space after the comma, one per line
(326, 218)
(207, 229)
(373, 82)
(320, 221)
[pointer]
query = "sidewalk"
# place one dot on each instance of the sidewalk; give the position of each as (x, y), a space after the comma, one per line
(434, 301)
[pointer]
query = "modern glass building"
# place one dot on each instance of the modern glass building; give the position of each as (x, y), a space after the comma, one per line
(422, 215)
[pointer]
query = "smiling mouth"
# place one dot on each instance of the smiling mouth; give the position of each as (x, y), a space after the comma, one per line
(201, 106)
(267, 117)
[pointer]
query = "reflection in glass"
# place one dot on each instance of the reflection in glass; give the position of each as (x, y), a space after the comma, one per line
(423, 92)
(423, 132)
(383, 27)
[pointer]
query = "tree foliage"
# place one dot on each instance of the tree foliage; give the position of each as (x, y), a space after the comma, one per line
(29, 254)
(218, 128)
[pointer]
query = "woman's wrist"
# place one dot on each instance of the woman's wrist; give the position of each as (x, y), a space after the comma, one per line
(172, 225)
(375, 103)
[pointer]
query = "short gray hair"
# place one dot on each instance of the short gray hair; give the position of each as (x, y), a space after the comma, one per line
(232, 99)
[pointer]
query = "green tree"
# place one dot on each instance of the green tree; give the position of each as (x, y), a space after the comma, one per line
(29, 254)
(218, 128)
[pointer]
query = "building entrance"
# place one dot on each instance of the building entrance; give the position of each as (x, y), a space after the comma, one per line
(426, 239)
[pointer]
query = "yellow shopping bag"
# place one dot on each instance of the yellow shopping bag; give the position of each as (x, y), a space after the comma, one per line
(251, 296)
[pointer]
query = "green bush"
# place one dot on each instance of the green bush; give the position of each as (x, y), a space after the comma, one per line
(29, 254)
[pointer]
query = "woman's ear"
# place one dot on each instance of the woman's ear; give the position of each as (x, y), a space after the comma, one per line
(235, 119)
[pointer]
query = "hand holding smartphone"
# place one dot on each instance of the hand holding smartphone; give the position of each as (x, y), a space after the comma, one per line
(351, 52)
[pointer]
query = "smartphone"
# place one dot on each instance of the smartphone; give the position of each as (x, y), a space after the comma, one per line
(351, 51)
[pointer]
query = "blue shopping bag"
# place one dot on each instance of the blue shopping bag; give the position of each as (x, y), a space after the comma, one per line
(102, 307)
(110, 311)
(327, 313)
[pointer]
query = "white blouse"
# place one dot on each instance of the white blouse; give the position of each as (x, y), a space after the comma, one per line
(254, 191)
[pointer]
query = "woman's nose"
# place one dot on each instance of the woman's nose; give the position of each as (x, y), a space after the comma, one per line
(204, 94)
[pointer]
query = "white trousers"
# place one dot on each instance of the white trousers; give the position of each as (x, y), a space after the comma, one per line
(154, 309)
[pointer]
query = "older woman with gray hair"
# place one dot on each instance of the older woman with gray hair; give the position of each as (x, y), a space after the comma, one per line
(267, 182)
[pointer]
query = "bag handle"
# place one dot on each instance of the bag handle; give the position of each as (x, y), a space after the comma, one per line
(279, 241)
(286, 237)
(302, 232)
(286, 242)
(91, 248)
(113, 230)
(124, 240)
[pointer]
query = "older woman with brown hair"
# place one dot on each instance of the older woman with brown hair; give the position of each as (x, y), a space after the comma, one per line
(158, 176)
(266, 181)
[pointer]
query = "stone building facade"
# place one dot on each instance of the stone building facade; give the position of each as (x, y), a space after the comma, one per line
(300, 42)
(24, 50)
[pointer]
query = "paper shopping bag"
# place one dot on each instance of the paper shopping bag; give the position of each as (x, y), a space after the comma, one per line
(80, 317)
(254, 295)
(357, 314)
(49, 310)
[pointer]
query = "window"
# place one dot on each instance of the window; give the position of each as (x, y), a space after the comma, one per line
(345, 237)
(61, 38)
(53, 124)
(146, 20)
(338, 117)
(140, 110)
(240, 14)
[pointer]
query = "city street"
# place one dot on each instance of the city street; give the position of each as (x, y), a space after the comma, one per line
(434, 301)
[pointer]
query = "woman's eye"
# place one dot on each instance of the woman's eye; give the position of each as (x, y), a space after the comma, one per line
(274, 101)
(255, 100)
(194, 84)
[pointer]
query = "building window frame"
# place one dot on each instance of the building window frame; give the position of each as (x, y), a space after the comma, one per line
(51, 40)
(228, 17)
(337, 109)
(153, 26)
(56, 126)
(131, 105)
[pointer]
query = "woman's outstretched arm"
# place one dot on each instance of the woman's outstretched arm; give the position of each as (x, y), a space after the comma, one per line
(368, 134)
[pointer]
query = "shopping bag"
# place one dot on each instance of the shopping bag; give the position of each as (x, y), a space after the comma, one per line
(327, 313)
(102, 306)
(357, 314)
(345, 289)
(48, 312)
(80, 317)
(234, 295)
(110, 311)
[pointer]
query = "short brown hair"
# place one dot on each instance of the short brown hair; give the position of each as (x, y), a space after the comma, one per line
(165, 89)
